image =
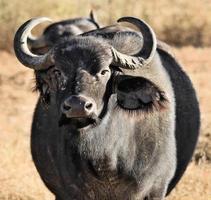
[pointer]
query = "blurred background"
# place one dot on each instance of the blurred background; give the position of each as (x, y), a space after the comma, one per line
(184, 24)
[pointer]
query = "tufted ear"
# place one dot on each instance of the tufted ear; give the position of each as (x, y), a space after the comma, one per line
(139, 93)
(42, 86)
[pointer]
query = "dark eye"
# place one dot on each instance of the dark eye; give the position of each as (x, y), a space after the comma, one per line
(103, 72)
(57, 72)
(59, 79)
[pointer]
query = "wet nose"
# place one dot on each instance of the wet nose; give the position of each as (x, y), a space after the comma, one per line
(78, 106)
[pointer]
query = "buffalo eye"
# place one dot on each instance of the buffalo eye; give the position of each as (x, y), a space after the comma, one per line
(104, 72)
(58, 79)
(57, 73)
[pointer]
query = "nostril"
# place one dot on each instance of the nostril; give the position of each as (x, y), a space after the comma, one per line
(66, 107)
(88, 106)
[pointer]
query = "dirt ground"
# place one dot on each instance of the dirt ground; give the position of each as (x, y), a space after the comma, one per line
(19, 179)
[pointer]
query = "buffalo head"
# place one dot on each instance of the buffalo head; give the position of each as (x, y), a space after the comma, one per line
(61, 29)
(81, 73)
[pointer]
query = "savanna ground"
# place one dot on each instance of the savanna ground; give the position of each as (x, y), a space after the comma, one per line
(178, 22)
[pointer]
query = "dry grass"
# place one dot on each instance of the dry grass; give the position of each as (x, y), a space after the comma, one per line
(19, 179)
(196, 184)
(179, 22)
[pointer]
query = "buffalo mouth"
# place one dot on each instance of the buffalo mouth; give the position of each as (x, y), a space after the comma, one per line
(79, 122)
(82, 123)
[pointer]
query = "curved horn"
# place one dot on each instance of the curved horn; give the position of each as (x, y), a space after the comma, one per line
(27, 58)
(146, 53)
(93, 19)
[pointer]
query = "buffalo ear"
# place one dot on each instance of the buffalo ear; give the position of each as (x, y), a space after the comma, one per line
(42, 86)
(134, 93)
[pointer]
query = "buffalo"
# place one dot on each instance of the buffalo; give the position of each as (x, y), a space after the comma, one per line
(117, 117)
(61, 29)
